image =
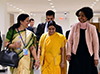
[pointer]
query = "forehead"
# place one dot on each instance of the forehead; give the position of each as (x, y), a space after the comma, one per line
(32, 21)
(81, 12)
(51, 26)
(49, 16)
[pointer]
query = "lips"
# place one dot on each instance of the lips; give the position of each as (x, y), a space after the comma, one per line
(81, 20)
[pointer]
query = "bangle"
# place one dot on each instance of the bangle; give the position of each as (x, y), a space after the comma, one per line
(37, 60)
(63, 62)
(8, 44)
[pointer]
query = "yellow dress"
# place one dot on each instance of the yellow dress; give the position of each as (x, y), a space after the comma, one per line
(50, 57)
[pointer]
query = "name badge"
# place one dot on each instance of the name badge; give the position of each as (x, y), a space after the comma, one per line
(25, 51)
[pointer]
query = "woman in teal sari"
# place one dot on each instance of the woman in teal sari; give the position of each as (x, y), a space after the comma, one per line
(27, 43)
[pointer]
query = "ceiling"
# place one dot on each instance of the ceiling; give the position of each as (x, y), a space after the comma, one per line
(43, 5)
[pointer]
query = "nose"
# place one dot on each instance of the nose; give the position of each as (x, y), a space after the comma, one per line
(49, 20)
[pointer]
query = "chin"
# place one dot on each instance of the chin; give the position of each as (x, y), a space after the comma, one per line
(27, 26)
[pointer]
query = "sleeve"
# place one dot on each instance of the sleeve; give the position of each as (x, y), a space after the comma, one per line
(38, 32)
(35, 41)
(62, 45)
(41, 40)
(8, 35)
(61, 30)
(70, 41)
(95, 43)
(0, 42)
(64, 42)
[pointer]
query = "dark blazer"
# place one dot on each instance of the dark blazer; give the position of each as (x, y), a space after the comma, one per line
(41, 27)
(67, 34)
(30, 28)
(0, 42)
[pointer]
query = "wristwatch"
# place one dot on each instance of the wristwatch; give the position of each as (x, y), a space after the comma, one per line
(63, 62)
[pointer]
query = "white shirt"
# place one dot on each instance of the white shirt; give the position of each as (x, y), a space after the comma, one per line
(46, 29)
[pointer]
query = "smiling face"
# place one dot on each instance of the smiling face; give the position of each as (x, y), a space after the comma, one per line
(81, 17)
(51, 30)
(25, 22)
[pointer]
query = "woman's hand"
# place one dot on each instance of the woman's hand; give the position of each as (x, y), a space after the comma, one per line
(62, 65)
(68, 58)
(37, 64)
(96, 62)
(17, 45)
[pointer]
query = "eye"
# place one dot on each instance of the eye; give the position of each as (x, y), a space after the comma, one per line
(52, 28)
(78, 15)
(49, 28)
(82, 15)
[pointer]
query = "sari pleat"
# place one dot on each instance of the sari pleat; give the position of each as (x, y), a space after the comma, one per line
(51, 53)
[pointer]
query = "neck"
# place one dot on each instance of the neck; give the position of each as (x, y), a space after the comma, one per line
(83, 25)
(30, 26)
(21, 28)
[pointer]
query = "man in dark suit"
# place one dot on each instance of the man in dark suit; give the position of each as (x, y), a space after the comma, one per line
(67, 34)
(31, 28)
(42, 28)
(0, 42)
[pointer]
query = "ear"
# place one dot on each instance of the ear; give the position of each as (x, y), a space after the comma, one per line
(55, 29)
(53, 18)
(21, 21)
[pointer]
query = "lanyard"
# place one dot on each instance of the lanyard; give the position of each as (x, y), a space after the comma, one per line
(21, 36)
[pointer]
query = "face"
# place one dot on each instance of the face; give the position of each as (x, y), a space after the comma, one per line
(81, 17)
(31, 23)
(49, 18)
(51, 30)
(25, 22)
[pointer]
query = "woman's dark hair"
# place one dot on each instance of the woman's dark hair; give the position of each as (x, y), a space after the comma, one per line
(21, 17)
(87, 11)
(51, 23)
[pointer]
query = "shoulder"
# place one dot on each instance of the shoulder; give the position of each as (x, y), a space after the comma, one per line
(10, 31)
(59, 34)
(40, 24)
(91, 25)
(29, 27)
(44, 34)
(76, 24)
(58, 25)
(28, 31)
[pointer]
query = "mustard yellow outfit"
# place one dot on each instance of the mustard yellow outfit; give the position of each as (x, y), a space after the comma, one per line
(25, 63)
(50, 57)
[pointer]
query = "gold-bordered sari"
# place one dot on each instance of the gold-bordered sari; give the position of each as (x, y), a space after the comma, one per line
(25, 65)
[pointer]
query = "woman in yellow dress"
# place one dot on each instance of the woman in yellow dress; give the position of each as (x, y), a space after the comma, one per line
(51, 51)
(22, 40)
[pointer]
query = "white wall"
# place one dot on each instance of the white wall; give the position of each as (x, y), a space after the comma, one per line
(3, 13)
(64, 23)
(39, 18)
